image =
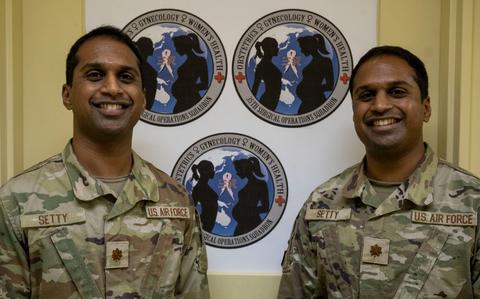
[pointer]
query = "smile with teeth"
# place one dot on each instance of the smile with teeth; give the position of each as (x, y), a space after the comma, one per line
(384, 122)
(109, 106)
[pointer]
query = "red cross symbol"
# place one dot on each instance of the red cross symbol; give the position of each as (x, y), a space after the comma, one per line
(240, 77)
(280, 200)
(219, 77)
(344, 78)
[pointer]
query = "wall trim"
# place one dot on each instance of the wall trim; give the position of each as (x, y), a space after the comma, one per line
(459, 61)
(243, 285)
(11, 134)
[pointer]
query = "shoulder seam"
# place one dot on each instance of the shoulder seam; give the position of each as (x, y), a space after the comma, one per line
(457, 168)
(55, 159)
(16, 230)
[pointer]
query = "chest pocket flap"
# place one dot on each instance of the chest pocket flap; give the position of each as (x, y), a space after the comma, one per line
(75, 265)
(421, 265)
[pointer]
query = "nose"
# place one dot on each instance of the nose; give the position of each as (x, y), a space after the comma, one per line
(381, 102)
(111, 85)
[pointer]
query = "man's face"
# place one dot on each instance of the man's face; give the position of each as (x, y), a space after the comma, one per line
(106, 95)
(388, 111)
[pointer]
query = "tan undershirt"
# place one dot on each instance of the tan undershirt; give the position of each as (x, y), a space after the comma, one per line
(116, 183)
(383, 189)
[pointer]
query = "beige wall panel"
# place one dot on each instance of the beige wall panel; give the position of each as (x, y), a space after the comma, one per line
(415, 25)
(11, 112)
(50, 27)
(475, 120)
(233, 286)
(465, 84)
(3, 93)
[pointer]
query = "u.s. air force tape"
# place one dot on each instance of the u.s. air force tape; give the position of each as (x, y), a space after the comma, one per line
(167, 212)
(457, 219)
(327, 214)
(52, 219)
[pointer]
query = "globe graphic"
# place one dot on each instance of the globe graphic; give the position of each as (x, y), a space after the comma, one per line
(290, 61)
(226, 184)
(165, 60)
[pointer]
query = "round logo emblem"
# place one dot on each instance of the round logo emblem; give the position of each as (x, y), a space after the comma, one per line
(291, 68)
(238, 186)
(185, 65)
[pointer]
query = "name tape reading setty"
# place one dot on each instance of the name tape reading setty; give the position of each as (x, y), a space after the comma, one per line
(52, 219)
(327, 214)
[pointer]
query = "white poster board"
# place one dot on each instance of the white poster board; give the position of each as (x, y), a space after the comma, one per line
(309, 154)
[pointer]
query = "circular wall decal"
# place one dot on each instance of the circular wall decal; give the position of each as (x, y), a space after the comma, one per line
(292, 68)
(238, 186)
(185, 65)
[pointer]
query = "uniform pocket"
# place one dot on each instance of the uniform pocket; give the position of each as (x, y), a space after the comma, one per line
(57, 269)
(332, 265)
(422, 265)
(164, 265)
(74, 264)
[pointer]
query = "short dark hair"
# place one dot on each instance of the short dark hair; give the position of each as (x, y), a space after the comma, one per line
(417, 65)
(109, 31)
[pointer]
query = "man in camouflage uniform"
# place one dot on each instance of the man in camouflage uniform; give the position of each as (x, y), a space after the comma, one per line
(97, 221)
(400, 224)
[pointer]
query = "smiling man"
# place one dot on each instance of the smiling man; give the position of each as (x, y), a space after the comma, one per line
(400, 224)
(86, 223)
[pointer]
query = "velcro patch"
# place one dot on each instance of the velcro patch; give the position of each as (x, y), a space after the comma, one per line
(52, 219)
(167, 212)
(327, 214)
(117, 254)
(456, 219)
(375, 251)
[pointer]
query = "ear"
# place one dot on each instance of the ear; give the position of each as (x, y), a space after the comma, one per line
(427, 109)
(144, 97)
(66, 96)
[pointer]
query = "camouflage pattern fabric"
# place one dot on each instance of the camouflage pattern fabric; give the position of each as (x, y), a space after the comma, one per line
(420, 242)
(63, 234)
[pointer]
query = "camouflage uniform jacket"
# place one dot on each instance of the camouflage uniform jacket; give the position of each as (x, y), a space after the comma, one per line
(63, 234)
(420, 242)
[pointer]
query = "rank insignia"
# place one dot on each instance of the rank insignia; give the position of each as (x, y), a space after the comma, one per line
(117, 254)
(375, 251)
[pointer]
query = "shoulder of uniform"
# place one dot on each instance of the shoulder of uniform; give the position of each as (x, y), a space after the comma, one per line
(332, 188)
(167, 182)
(447, 166)
(52, 160)
(337, 181)
(160, 174)
(27, 178)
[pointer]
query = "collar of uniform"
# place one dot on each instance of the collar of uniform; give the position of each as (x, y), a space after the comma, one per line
(417, 188)
(142, 186)
(356, 183)
(145, 178)
(86, 188)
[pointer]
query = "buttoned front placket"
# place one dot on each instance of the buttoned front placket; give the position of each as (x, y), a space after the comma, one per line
(370, 214)
(123, 228)
(113, 248)
(119, 239)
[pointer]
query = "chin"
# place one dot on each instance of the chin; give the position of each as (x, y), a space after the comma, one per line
(382, 147)
(114, 133)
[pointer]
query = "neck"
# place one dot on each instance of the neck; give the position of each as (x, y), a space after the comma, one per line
(105, 159)
(395, 167)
